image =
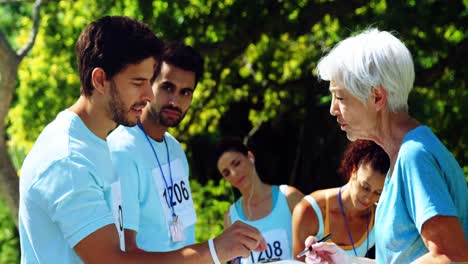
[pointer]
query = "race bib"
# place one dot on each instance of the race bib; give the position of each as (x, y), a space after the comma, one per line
(116, 196)
(277, 247)
(180, 191)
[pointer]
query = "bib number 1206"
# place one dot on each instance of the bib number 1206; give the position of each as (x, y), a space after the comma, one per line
(178, 192)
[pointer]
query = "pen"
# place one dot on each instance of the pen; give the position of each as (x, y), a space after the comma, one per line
(310, 247)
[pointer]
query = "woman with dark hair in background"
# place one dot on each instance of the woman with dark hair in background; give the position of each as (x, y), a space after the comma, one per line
(264, 206)
(348, 211)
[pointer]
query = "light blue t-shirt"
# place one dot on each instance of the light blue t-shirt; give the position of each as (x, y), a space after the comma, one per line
(276, 227)
(145, 198)
(426, 181)
(64, 191)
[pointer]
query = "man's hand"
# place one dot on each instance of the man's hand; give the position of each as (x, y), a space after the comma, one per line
(237, 241)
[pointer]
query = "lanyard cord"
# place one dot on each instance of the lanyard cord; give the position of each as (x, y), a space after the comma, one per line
(347, 227)
(171, 193)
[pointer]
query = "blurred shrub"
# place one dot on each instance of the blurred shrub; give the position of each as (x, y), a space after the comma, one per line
(211, 202)
(9, 237)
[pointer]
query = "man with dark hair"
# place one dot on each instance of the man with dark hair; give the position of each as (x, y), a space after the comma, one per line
(159, 214)
(66, 179)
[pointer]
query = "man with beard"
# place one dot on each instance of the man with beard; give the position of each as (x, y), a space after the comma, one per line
(66, 183)
(158, 213)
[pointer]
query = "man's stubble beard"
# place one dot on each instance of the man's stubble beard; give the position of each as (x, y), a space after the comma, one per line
(118, 109)
(157, 117)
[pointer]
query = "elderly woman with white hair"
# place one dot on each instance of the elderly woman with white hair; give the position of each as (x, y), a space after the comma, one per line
(422, 214)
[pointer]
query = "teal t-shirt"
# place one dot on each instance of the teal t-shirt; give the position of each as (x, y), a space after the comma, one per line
(64, 191)
(426, 181)
(145, 194)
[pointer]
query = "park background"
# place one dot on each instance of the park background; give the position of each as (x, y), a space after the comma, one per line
(260, 83)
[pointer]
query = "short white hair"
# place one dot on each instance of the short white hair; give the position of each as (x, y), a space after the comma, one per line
(370, 59)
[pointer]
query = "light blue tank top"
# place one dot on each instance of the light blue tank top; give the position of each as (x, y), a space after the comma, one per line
(276, 227)
(361, 248)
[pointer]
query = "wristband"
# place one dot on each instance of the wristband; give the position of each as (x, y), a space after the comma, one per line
(213, 251)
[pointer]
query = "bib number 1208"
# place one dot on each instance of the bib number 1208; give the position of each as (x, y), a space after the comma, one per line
(270, 252)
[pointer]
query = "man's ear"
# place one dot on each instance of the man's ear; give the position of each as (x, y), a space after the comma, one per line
(98, 79)
(379, 97)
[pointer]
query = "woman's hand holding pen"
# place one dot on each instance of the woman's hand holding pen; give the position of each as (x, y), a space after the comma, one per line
(301, 254)
(324, 252)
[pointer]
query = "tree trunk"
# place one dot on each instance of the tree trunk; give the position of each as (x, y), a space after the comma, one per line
(9, 62)
(9, 181)
(9, 190)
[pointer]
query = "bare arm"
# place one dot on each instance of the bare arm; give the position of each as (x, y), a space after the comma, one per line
(105, 243)
(304, 224)
(445, 240)
(293, 196)
(238, 240)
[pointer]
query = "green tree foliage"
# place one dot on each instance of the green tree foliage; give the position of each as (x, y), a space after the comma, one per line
(260, 58)
(48, 80)
(259, 82)
(211, 202)
(9, 241)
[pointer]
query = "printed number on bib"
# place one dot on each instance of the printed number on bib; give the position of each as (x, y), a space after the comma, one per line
(272, 251)
(179, 190)
(277, 247)
(179, 193)
(116, 196)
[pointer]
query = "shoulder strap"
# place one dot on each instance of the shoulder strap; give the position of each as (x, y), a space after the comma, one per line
(318, 212)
